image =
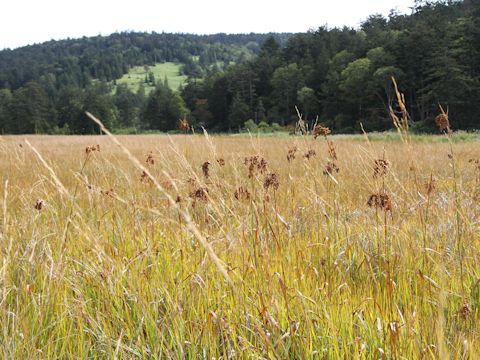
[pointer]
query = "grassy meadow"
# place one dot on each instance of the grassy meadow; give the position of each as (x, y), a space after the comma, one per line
(168, 70)
(236, 247)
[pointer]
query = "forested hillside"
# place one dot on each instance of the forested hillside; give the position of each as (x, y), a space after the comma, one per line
(341, 75)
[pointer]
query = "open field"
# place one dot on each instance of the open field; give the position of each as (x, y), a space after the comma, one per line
(169, 70)
(349, 249)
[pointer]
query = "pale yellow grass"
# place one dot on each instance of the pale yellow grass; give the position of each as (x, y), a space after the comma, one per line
(110, 268)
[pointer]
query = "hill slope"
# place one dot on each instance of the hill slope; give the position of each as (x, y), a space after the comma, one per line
(75, 61)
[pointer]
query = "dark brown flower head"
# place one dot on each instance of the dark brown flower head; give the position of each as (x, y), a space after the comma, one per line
(93, 148)
(221, 162)
(178, 199)
(380, 201)
(150, 160)
(200, 194)
(291, 153)
(320, 130)
(465, 311)
(183, 125)
(330, 168)
(309, 154)
(39, 204)
(271, 181)
(255, 165)
(206, 169)
(242, 194)
(380, 168)
(442, 122)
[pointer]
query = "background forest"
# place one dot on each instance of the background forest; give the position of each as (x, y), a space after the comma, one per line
(227, 81)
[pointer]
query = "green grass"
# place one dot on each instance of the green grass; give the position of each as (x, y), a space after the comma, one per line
(169, 70)
(387, 136)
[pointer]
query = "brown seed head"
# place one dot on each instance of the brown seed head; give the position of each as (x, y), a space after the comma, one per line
(183, 125)
(200, 194)
(330, 168)
(309, 154)
(380, 201)
(221, 162)
(39, 204)
(442, 122)
(291, 153)
(206, 169)
(271, 181)
(255, 165)
(380, 168)
(93, 148)
(465, 311)
(150, 160)
(242, 193)
(320, 130)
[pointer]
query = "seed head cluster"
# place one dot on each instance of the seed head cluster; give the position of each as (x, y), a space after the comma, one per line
(310, 154)
(380, 168)
(150, 160)
(206, 169)
(291, 153)
(200, 194)
(242, 193)
(442, 122)
(320, 130)
(183, 125)
(330, 168)
(271, 181)
(39, 204)
(255, 165)
(380, 201)
(91, 149)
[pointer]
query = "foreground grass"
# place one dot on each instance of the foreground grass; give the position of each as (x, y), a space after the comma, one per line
(96, 262)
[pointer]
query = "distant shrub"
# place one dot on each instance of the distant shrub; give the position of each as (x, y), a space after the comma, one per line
(64, 130)
(263, 127)
(276, 127)
(250, 126)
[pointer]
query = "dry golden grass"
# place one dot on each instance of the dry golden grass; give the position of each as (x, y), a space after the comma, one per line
(101, 259)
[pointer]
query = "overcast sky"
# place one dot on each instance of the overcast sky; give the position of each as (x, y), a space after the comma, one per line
(24, 22)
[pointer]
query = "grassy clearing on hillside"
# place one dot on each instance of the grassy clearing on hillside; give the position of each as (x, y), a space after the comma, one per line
(137, 74)
(376, 260)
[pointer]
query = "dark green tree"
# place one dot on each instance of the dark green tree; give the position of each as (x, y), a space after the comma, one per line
(164, 108)
(31, 110)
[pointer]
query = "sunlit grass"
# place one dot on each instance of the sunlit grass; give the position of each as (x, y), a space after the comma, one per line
(110, 269)
(161, 71)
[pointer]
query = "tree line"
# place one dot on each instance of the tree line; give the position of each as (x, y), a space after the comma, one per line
(341, 75)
